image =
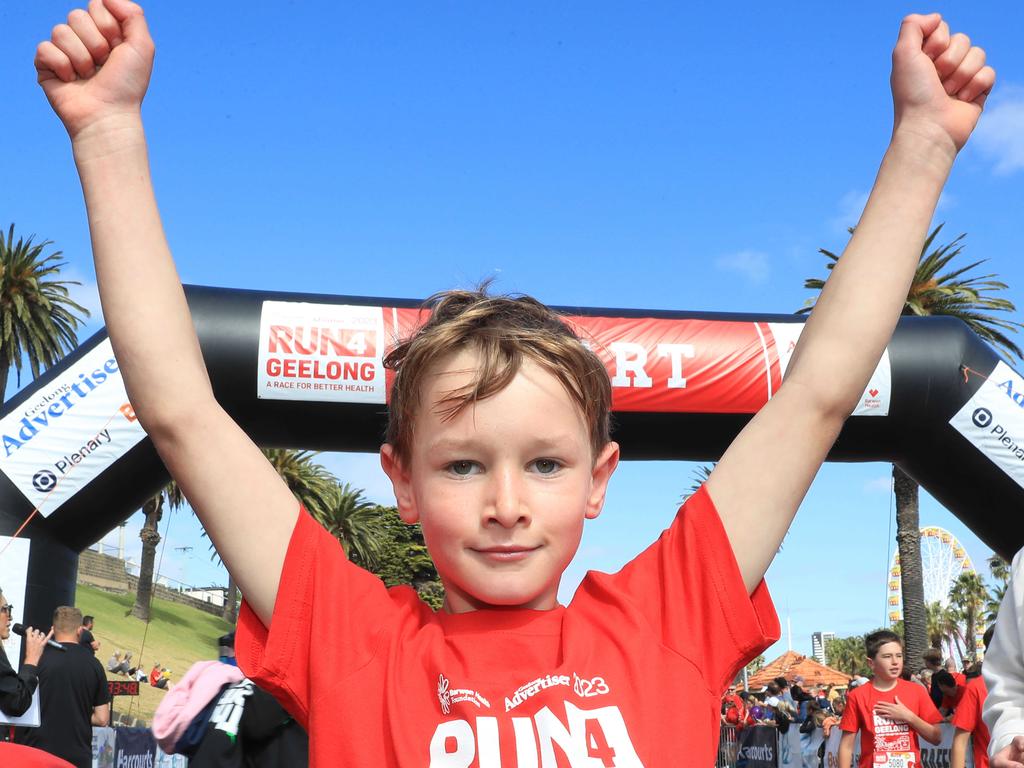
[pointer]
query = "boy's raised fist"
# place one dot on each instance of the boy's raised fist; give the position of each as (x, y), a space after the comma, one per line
(939, 81)
(96, 65)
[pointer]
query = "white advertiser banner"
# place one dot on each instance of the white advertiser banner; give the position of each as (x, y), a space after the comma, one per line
(324, 352)
(70, 431)
(877, 394)
(993, 420)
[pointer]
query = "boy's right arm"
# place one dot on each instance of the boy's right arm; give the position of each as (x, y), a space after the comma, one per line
(95, 70)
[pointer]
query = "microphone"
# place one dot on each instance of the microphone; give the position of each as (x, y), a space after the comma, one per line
(18, 629)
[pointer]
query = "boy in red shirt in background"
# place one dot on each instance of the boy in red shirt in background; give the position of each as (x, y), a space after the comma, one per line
(888, 711)
(952, 685)
(498, 444)
(968, 723)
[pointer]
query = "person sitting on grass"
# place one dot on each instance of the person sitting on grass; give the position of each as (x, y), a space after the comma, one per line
(498, 444)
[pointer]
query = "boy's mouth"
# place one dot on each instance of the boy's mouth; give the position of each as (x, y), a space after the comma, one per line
(505, 553)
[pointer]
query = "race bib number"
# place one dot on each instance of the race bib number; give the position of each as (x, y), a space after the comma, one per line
(896, 760)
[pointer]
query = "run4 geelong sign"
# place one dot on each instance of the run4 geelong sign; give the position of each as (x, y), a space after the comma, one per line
(70, 431)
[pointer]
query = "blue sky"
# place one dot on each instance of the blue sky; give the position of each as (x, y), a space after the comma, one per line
(648, 155)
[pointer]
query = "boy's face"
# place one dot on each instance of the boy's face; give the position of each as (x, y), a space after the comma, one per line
(888, 662)
(502, 489)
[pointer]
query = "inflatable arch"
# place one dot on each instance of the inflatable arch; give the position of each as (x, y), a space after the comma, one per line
(299, 370)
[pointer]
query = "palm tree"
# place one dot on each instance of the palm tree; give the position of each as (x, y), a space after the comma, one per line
(700, 475)
(38, 319)
(969, 594)
(1000, 569)
(935, 616)
(847, 654)
(953, 294)
(351, 519)
(153, 509)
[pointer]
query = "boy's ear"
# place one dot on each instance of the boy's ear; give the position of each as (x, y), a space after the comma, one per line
(399, 477)
(605, 464)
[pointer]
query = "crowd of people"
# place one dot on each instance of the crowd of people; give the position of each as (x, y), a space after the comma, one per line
(938, 692)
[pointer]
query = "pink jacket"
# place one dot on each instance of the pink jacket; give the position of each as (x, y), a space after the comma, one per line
(187, 699)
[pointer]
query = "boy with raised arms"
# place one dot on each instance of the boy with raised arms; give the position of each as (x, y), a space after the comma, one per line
(889, 712)
(498, 445)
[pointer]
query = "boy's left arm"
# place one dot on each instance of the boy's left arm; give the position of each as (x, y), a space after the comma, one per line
(939, 85)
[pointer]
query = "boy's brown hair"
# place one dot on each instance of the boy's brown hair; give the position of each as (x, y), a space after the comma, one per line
(874, 642)
(504, 331)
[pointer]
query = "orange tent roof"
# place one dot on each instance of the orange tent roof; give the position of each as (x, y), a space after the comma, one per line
(791, 664)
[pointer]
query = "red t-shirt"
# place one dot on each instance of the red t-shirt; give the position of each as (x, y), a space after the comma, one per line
(630, 673)
(968, 718)
(882, 739)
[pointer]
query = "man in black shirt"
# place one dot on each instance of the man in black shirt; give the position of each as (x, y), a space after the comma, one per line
(72, 695)
(85, 637)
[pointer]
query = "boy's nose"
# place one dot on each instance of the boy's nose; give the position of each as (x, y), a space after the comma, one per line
(507, 506)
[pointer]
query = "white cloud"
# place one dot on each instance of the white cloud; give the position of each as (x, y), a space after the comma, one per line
(1000, 133)
(752, 266)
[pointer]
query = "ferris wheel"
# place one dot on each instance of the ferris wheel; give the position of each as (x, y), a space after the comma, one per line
(943, 559)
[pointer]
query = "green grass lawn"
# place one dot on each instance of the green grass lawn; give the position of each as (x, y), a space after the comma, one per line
(178, 637)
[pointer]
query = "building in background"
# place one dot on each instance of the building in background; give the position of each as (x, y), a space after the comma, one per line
(818, 641)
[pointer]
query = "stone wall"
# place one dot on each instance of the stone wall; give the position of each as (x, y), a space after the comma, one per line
(159, 590)
(102, 571)
(110, 573)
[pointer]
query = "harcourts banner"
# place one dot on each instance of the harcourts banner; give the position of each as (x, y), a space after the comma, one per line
(758, 747)
(993, 421)
(69, 431)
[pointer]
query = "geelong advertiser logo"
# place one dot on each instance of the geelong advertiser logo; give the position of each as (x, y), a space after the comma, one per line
(50, 409)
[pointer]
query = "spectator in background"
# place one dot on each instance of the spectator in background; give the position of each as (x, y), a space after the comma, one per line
(836, 715)
(226, 648)
(85, 635)
(154, 674)
(733, 710)
(73, 695)
(952, 687)
(968, 723)
(114, 662)
(16, 688)
(797, 691)
(933, 663)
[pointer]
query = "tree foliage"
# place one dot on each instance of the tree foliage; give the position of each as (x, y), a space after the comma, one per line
(38, 319)
(402, 557)
(847, 654)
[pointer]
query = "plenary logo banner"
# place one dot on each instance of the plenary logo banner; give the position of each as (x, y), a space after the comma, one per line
(993, 420)
(69, 431)
(324, 352)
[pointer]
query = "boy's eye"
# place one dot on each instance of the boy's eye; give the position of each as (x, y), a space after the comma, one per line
(546, 466)
(462, 468)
